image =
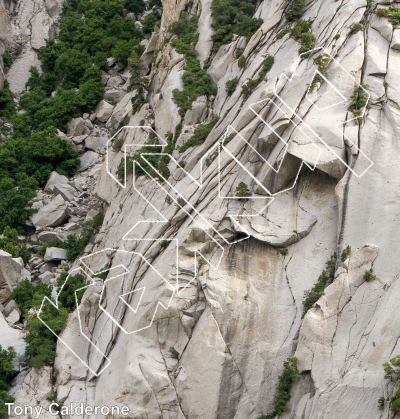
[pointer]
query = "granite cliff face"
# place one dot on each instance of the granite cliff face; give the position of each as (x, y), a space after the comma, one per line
(218, 350)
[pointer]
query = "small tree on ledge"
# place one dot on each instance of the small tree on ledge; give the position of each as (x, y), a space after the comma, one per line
(242, 190)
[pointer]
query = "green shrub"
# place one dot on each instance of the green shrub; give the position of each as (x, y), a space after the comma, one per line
(196, 82)
(232, 17)
(359, 100)
(284, 251)
(230, 85)
(242, 61)
(301, 32)
(6, 374)
(199, 136)
(392, 373)
(282, 33)
(393, 13)
(7, 60)
(9, 243)
(242, 190)
(337, 36)
(136, 6)
(356, 27)
(15, 196)
(346, 253)
(249, 86)
(164, 243)
(7, 105)
(150, 21)
(67, 296)
(381, 402)
(282, 397)
(327, 276)
(267, 65)
(381, 12)
(28, 296)
(369, 275)
(322, 62)
(295, 10)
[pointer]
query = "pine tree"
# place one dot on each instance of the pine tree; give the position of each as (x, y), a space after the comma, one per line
(242, 190)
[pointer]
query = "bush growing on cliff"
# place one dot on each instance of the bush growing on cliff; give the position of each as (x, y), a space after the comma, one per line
(282, 397)
(233, 17)
(7, 105)
(200, 134)
(392, 373)
(196, 81)
(327, 276)
(6, 374)
(230, 85)
(359, 100)
(295, 10)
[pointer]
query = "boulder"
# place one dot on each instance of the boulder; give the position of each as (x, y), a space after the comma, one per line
(89, 124)
(76, 127)
(111, 61)
(68, 192)
(4, 253)
(104, 78)
(96, 143)
(10, 306)
(46, 277)
(198, 112)
(12, 337)
(114, 94)
(55, 179)
(62, 135)
(104, 111)
(55, 254)
(48, 236)
(114, 81)
(80, 138)
(19, 261)
(52, 214)
(48, 267)
(14, 316)
(11, 274)
(88, 159)
(396, 39)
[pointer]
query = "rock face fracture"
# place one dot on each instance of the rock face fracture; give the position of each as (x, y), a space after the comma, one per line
(267, 231)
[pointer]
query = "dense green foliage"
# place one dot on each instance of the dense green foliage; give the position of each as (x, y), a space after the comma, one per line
(6, 374)
(7, 105)
(248, 87)
(41, 342)
(200, 134)
(28, 296)
(7, 60)
(346, 253)
(242, 190)
(241, 61)
(9, 243)
(356, 27)
(393, 13)
(196, 82)
(295, 10)
(282, 33)
(327, 276)
(301, 32)
(74, 284)
(359, 100)
(230, 85)
(232, 17)
(289, 374)
(369, 275)
(392, 373)
(322, 62)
